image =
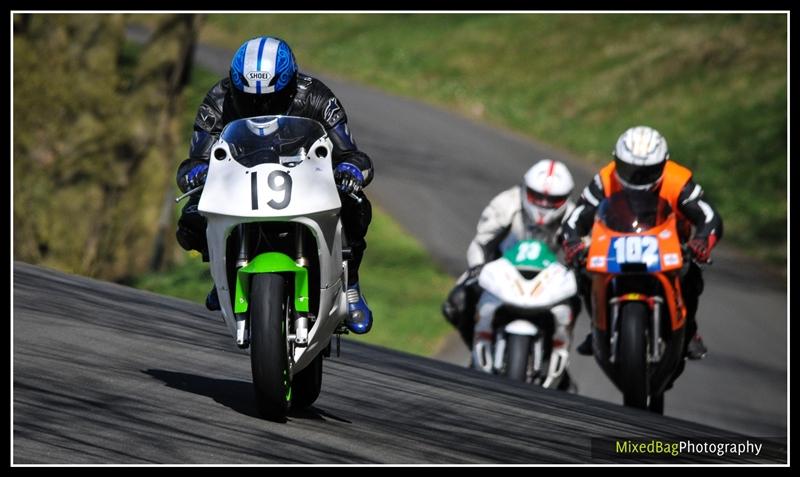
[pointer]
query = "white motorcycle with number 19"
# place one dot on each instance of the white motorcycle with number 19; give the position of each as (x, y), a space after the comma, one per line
(276, 256)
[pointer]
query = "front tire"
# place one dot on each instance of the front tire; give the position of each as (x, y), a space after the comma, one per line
(519, 350)
(632, 354)
(269, 356)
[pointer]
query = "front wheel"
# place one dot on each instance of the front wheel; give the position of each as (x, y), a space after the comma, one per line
(269, 355)
(519, 350)
(632, 354)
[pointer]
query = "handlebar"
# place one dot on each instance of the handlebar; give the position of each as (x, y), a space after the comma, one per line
(579, 263)
(688, 255)
(188, 193)
(580, 259)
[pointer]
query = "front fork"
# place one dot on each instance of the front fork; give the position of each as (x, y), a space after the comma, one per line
(488, 360)
(653, 303)
(242, 259)
(302, 320)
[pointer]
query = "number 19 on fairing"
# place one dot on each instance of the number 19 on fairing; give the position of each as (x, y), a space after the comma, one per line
(278, 181)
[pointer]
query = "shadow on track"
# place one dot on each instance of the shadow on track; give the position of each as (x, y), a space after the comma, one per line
(234, 394)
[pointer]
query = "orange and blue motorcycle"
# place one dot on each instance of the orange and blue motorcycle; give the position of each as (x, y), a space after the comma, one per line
(635, 262)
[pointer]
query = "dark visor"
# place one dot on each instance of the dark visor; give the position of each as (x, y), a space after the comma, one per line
(639, 175)
(546, 201)
(249, 105)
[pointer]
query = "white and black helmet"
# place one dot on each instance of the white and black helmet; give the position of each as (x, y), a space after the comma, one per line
(640, 155)
(546, 188)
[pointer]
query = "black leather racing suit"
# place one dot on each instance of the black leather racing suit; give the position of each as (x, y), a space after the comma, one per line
(311, 99)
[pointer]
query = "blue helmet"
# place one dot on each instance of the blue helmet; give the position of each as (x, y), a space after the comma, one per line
(263, 70)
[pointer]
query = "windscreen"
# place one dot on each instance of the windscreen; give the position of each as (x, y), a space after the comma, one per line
(271, 139)
(630, 211)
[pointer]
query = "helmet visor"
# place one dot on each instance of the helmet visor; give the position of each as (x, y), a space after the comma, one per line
(544, 200)
(249, 105)
(639, 175)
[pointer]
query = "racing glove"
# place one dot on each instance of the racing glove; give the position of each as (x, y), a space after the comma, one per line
(472, 276)
(194, 178)
(574, 253)
(348, 177)
(475, 271)
(701, 247)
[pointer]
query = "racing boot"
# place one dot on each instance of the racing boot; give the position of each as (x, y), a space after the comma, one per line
(482, 351)
(212, 300)
(586, 347)
(483, 334)
(562, 339)
(696, 348)
(359, 319)
(567, 384)
(562, 334)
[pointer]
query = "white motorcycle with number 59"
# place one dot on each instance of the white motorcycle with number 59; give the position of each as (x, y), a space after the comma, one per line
(275, 247)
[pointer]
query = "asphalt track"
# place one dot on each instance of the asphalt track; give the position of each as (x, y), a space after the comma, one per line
(107, 374)
(159, 380)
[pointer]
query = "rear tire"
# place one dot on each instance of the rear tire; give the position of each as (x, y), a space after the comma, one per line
(268, 346)
(307, 384)
(632, 355)
(519, 350)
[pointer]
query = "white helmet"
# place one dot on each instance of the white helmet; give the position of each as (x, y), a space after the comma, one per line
(640, 155)
(546, 188)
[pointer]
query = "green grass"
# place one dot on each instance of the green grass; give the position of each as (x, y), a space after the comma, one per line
(190, 279)
(714, 85)
(404, 290)
(403, 287)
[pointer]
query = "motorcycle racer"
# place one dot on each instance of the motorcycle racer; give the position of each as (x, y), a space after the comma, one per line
(642, 162)
(533, 209)
(264, 80)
